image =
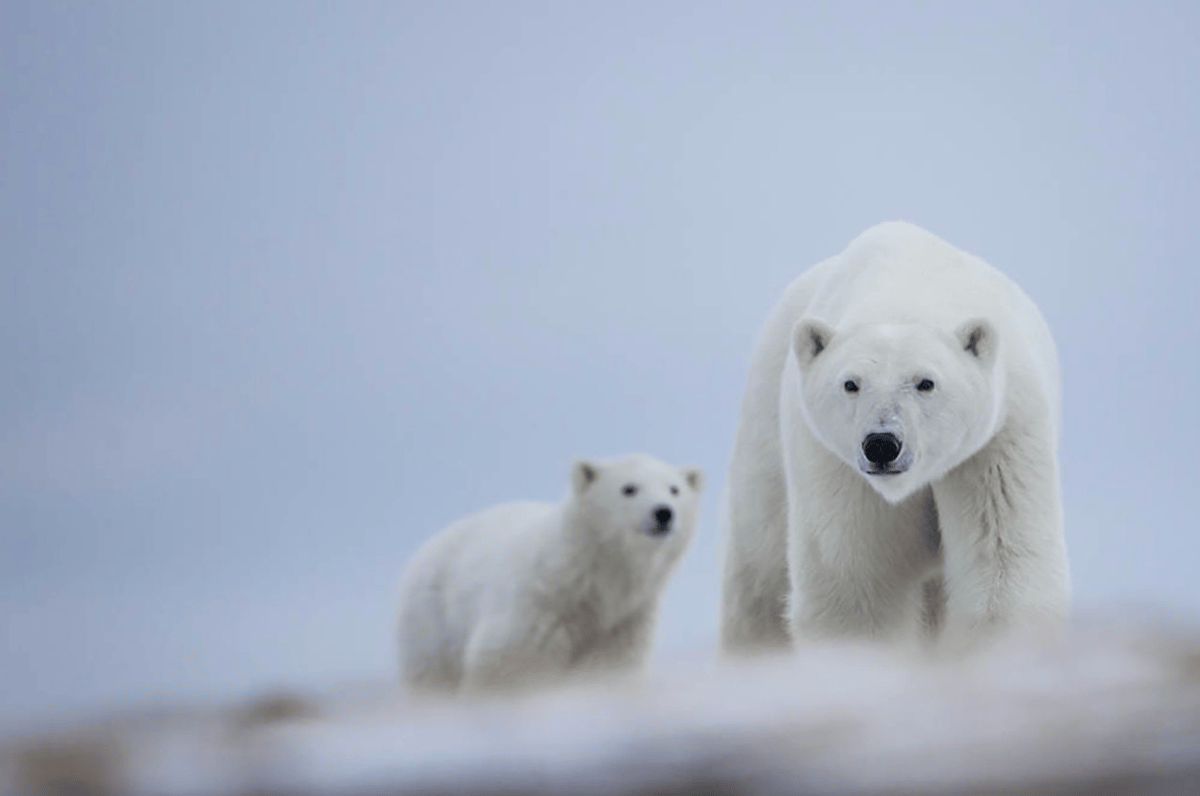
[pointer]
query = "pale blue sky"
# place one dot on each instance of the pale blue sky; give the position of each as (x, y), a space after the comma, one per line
(288, 286)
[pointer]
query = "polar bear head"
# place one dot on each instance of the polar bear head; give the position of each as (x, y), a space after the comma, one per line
(636, 501)
(902, 404)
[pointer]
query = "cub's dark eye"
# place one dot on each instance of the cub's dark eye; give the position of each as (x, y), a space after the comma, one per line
(674, 490)
(925, 385)
(850, 386)
(629, 490)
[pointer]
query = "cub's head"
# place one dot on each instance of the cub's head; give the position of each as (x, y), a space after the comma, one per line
(637, 499)
(901, 404)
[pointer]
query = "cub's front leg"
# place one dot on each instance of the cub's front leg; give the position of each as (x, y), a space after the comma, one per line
(623, 647)
(507, 654)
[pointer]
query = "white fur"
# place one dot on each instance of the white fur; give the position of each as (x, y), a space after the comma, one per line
(967, 540)
(525, 592)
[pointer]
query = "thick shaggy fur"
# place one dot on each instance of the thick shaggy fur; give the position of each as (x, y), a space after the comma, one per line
(523, 593)
(906, 335)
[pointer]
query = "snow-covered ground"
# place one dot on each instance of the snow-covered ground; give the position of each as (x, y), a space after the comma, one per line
(1111, 708)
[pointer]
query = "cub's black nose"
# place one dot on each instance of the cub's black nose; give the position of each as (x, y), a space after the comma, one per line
(881, 449)
(662, 515)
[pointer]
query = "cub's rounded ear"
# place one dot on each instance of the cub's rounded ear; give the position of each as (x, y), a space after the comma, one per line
(978, 338)
(694, 477)
(583, 473)
(809, 338)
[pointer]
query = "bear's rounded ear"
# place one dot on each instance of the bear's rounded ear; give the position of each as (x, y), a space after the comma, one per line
(583, 473)
(978, 338)
(694, 477)
(809, 338)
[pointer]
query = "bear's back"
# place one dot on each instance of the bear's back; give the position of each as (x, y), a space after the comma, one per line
(898, 273)
(476, 561)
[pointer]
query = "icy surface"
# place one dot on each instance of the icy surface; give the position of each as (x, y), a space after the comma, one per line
(1116, 708)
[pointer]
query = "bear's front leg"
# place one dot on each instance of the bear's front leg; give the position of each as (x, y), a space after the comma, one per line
(855, 562)
(825, 605)
(851, 594)
(754, 594)
(754, 585)
(1004, 552)
(507, 655)
(624, 646)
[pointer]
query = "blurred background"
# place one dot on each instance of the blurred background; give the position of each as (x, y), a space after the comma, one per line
(287, 286)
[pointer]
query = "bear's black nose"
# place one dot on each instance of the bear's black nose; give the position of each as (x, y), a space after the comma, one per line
(881, 449)
(662, 515)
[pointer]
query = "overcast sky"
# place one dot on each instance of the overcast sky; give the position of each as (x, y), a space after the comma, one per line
(288, 286)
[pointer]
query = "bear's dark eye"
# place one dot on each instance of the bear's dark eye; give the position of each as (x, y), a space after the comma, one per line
(674, 490)
(925, 385)
(850, 386)
(629, 490)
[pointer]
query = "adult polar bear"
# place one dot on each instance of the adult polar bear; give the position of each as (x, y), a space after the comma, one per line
(895, 473)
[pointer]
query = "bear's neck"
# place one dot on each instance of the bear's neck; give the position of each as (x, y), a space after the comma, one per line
(594, 575)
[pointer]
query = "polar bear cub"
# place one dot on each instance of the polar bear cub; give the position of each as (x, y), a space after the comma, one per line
(895, 473)
(526, 592)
